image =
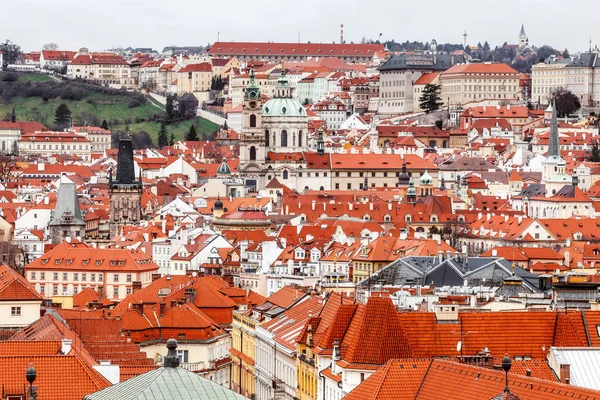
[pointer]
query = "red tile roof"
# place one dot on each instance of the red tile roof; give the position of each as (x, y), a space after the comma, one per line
(65, 377)
(481, 68)
(14, 287)
(202, 67)
(295, 49)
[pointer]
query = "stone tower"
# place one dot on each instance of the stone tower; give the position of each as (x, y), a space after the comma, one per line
(66, 219)
(126, 192)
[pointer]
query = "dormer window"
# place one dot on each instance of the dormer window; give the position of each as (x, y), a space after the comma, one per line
(99, 262)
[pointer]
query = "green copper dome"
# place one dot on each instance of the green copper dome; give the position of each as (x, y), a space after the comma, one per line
(283, 107)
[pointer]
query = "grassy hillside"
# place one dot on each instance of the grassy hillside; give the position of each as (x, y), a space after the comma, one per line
(37, 96)
(205, 128)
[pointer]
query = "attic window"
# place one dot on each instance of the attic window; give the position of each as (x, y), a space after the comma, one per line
(99, 262)
(121, 262)
(44, 261)
(58, 260)
(162, 292)
(85, 262)
(113, 262)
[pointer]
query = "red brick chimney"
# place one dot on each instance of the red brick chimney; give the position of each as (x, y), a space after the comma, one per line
(565, 373)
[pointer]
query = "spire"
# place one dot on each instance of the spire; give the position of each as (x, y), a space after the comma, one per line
(553, 147)
(125, 163)
(522, 34)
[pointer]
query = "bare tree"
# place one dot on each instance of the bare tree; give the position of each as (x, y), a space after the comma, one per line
(454, 230)
(7, 167)
(50, 46)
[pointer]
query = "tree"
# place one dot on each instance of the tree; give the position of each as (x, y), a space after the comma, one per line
(566, 102)
(163, 138)
(595, 152)
(50, 46)
(172, 139)
(439, 123)
(430, 99)
(306, 101)
(566, 54)
(62, 116)
(192, 135)
(453, 231)
(142, 140)
(169, 107)
(11, 52)
(104, 124)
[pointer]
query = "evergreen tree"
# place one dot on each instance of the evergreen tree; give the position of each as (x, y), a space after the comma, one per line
(192, 135)
(62, 116)
(104, 124)
(595, 152)
(169, 107)
(430, 99)
(172, 139)
(163, 139)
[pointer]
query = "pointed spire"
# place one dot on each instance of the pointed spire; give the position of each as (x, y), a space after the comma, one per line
(522, 34)
(553, 147)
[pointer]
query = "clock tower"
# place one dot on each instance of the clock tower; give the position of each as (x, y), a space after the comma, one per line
(252, 138)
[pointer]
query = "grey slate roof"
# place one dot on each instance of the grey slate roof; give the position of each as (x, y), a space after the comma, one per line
(429, 62)
(166, 384)
(67, 201)
(450, 272)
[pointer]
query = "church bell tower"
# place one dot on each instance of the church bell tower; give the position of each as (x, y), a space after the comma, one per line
(252, 138)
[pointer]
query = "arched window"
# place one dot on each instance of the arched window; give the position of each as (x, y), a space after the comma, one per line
(284, 138)
(267, 137)
(285, 174)
(252, 153)
(300, 138)
(444, 144)
(252, 121)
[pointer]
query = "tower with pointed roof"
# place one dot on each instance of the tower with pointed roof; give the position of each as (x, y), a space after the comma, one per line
(553, 167)
(523, 39)
(66, 221)
(125, 192)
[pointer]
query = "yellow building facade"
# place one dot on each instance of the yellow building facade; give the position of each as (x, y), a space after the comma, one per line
(243, 354)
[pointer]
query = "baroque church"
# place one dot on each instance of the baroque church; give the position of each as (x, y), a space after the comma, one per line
(274, 137)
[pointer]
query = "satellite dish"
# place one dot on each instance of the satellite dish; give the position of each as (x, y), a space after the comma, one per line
(459, 345)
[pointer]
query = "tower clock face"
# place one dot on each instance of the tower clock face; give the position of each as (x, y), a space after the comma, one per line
(252, 105)
(253, 95)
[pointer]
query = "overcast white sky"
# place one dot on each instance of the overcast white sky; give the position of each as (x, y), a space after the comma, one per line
(102, 24)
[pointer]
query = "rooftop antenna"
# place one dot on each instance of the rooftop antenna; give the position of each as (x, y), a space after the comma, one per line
(465, 38)
(342, 34)
(218, 36)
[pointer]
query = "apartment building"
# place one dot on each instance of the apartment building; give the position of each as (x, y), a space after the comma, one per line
(399, 73)
(464, 83)
(105, 68)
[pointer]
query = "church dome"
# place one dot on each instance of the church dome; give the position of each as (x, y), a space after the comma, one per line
(426, 179)
(218, 204)
(223, 169)
(283, 107)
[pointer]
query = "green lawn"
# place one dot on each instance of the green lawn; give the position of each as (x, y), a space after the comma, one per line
(118, 111)
(30, 77)
(203, 126)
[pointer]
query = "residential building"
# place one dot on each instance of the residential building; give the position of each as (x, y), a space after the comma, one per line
(72, 266)
(398, 74)
(19, 301)
(546, 77)
(56, 59)
(48, 143)
(105, 68)
(195, 79)
(465, 83)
